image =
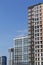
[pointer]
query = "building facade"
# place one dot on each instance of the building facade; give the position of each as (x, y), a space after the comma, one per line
(21, 51)
(11, 56)
(35, 29)
(3, 60)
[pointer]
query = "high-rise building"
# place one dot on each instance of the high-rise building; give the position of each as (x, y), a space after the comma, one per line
(3, 60)
(35, 33)
(11, 56)
(21, 51)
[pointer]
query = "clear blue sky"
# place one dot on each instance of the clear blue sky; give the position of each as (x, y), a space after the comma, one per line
(13, 21)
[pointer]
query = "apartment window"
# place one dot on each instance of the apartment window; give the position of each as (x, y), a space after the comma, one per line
(37, 26)
(38, 30)
(40, 22)
(40, 26)
(37, 11)
(35, 54)
(33, 19)
(42, 58)
(40, 18)
(38, 46)
(35, 39)
(41, 54)
(38, 34)
(38, 50)
(32, 55)
(40, 10)
(38, 42)
(38, 59)
(41, 63)
(35, 30)
(35, 23)
(40, 38)
(41, 42)
(37, 15)
(37, 19)
(38, 63)
(41, 46)
(41, 50)
(38, 54)
(39, 6)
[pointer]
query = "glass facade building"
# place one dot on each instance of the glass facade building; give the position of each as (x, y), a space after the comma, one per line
(3, 60)
(21, 51)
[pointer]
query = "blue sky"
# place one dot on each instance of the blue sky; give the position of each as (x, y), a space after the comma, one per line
(13, 21)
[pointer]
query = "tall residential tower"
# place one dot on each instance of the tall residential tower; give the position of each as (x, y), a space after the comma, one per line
(35, 29)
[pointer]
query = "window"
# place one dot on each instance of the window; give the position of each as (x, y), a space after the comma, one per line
(40, 26)
(42, 58)
(41, 54)
(37, 19)
(40, 10)
(38, 42)
(37, 34)
(41, 50)
(40, 18)
(40, 22)
(38, 54)
(41, 42)
(41, 46)
(38, 46)
(38, 63)
(38, 59)
(38, 50)
(37, 26)
(41, 63)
